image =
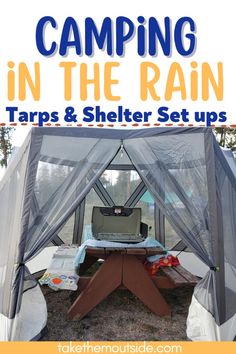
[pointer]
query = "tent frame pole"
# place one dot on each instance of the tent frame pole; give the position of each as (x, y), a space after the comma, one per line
(103, 194)
(216, 228)
(136, 195)
(79, 223)
(159, 225)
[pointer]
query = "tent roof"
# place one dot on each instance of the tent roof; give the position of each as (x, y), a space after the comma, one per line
(107, 133)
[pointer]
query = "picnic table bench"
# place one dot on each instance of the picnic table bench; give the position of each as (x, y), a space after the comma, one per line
(179, 276)
(123, 267)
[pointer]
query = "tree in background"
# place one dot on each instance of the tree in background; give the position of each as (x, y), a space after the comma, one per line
(5, 145)
(226, 137)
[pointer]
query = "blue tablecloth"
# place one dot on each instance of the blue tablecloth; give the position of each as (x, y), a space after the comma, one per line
(149, 242)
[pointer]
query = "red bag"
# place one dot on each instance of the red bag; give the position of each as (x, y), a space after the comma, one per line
(167, 261)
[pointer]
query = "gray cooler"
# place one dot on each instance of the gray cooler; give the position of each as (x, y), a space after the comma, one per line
(118, 224)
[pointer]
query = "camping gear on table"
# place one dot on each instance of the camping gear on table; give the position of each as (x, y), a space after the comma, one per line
(118, 224)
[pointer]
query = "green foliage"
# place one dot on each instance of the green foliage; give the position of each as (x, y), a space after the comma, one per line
(5, 145)
(226, 137)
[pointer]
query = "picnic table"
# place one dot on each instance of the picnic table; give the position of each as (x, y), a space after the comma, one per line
(123, 267)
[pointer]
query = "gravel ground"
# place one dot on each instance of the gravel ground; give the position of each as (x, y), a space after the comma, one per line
(121, 316)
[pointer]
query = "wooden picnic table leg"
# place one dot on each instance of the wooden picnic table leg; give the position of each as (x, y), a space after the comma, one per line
(138, 281)
(89, 261)
(104, 281)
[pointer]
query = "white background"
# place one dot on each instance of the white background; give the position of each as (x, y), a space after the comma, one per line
(215, 43)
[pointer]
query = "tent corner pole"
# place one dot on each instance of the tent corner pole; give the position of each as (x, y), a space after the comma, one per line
(216, 228)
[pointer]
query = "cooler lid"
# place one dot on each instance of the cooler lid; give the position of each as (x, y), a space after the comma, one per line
(117, 219)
